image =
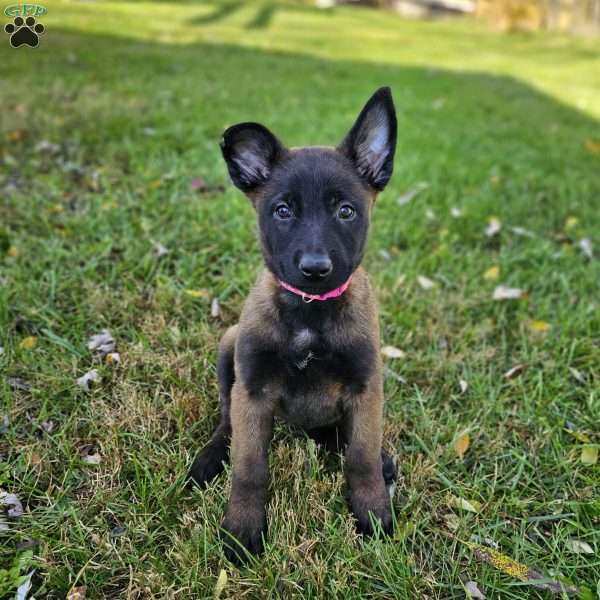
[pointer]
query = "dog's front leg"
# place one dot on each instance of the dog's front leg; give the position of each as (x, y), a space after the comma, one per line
(368, 495)
(245, 521)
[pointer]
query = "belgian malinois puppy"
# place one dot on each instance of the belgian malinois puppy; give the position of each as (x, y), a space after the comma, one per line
(306, 348)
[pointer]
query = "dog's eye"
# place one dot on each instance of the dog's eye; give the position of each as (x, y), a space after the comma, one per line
(346, 212)
(283, 211)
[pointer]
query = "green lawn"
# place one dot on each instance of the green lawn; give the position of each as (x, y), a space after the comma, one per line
(135, 96)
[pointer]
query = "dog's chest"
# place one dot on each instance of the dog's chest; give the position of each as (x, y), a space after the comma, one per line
(312, 394)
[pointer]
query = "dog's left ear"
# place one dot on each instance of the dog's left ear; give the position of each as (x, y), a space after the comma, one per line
(371, 142)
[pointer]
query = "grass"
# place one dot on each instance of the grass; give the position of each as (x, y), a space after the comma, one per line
(136, 95)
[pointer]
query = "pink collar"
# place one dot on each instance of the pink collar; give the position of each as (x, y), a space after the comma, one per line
(320, 297)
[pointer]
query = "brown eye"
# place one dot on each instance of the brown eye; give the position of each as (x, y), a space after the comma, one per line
(346, 212)
(283, 211)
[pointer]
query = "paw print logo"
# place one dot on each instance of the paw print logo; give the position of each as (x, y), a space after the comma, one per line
(24, 32)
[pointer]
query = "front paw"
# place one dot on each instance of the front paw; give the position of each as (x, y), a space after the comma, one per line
(243, 536)
(370, 508)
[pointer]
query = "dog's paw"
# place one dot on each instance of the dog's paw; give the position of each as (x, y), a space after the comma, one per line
(243, 538)
(370, 509)
(208, 464)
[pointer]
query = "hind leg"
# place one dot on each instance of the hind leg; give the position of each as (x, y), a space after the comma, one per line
(210, 460)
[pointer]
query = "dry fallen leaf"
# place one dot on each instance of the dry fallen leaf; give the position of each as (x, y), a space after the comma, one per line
(589, 455)
(197, 293)
(571, 223)
(514, 371)
(492, 273)
(518, 570)
(461, 444)
(215, 308)
(493, 228)
(579, 376)
(220, 585)
(579, 547)
(113, 358)
(410, 194)
(24, 587)
(592, 146)
(522, 232)
(86, 380)
(15, 508)
(392, 352)
(17, 383)
(102, 343)
(473, 591)
(90, 456)
(160, 250)
(503, 292)
(425, 282)
(468, 505)
(77, 593)
(452, 521)
(539, 326)
(28, 343)
(463, 385)
(13, 252)
(585, 245)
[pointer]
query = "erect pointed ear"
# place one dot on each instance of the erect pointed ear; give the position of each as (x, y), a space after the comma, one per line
(250, 151)
(371, 142)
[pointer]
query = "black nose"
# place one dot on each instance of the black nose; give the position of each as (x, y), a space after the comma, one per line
(315, 266)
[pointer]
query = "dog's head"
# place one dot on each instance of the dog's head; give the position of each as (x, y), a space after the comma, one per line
(314, 203)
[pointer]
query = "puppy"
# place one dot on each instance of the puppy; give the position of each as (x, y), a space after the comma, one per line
(306, 348)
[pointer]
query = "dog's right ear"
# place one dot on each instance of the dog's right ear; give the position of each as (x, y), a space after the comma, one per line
(250, 151)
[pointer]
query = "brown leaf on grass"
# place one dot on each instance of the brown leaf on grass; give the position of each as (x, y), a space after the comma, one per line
(16, 135)
(589, 455)
(77, 593)
(461, 444)
(199, 185)
(511, 567)
(592, 146)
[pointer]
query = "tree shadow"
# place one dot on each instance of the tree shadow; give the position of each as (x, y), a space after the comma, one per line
(221, 11)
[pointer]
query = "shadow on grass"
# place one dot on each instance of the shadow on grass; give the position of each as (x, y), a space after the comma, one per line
(477, 117)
